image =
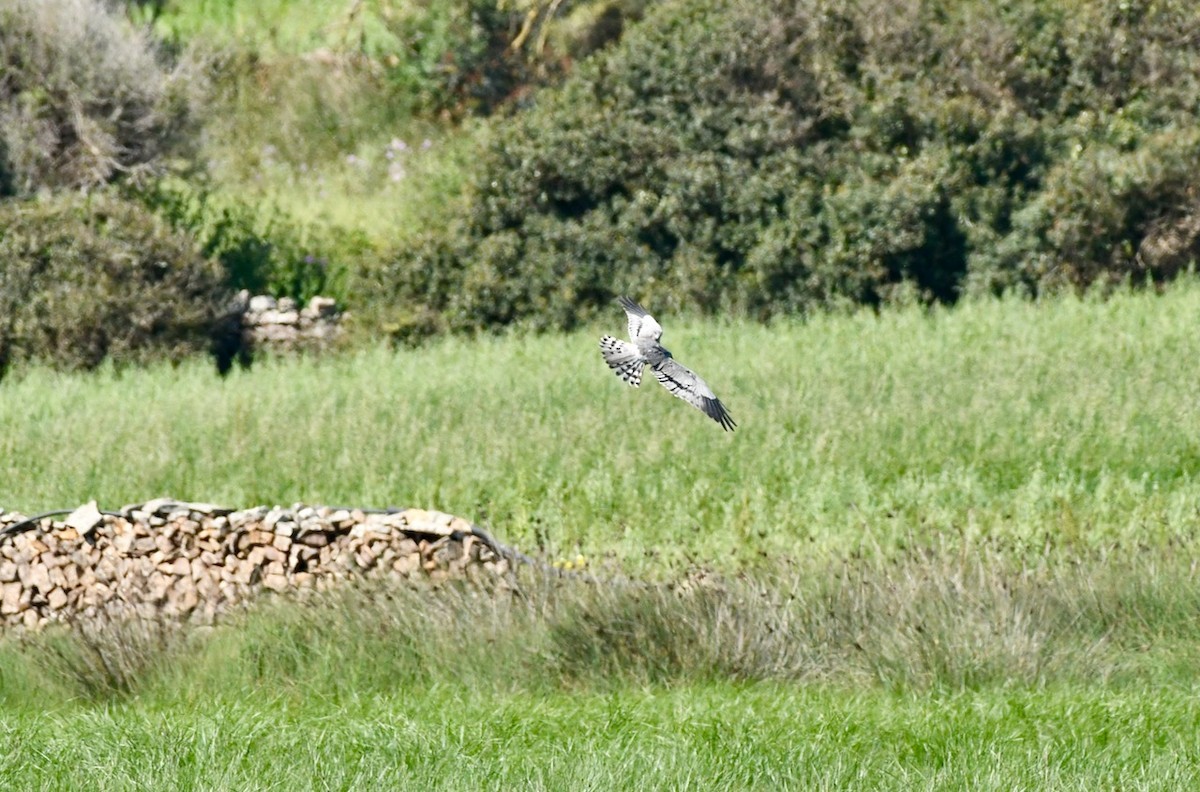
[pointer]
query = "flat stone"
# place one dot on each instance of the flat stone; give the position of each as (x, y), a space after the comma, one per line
(278, 317)
(209, 509)
(262, 302)
(184, 598)
(56, 598)
(10, 598)
(273, 554)
(38, 578)
(160, 506)
(315, 539)
(275, 581)
(407, 564)
(321, 307)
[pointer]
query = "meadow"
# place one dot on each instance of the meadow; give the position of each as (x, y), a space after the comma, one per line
(1068, 423)
(945, 548)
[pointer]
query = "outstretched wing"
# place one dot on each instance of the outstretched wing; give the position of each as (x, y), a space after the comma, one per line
(687, 385)
(623, 358)
(643, 328)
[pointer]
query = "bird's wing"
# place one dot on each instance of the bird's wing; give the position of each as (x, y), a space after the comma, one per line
(687, 385)
(623, 358)
(642, 326)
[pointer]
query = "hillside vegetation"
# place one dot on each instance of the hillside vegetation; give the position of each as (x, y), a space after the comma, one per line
(464, 166)
(771, 158)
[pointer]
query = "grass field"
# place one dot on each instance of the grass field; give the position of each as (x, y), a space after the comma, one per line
(947, 549)
(706, 737)
(1071, 423)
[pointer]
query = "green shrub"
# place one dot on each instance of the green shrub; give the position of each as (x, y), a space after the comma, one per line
(86, 280)
(778, 157)
(83, 98)
(1109, 214)
(259, 246)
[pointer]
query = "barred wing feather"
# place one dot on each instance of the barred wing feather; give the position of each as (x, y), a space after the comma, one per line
(687, 385)
(623, 358)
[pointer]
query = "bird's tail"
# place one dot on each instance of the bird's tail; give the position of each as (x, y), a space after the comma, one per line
(623, 358)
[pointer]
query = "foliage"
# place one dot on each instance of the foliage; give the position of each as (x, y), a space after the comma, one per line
(261, 248)
(933, 527)
(774, 158)
(423, 57)
(85, 98)
(928, 619)
(86, 280)
(933, 652)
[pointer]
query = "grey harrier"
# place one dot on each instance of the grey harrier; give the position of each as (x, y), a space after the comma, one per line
(627, 359)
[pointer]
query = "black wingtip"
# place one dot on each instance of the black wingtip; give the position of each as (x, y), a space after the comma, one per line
(718, 413)
(631, 306)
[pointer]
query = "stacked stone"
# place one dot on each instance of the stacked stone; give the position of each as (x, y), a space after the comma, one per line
(195, 561)
(284, 324)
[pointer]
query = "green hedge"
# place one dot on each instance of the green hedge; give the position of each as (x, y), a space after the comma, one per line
(84, 98)
(84, 280)
(776, 157)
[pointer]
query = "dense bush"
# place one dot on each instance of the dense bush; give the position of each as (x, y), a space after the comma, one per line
(260, 247)
(772, 157)
(89, 279)
(83, 97)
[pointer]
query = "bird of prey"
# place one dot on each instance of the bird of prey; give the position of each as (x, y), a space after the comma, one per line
(626, 359)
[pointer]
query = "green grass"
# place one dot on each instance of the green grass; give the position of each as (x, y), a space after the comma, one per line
(305, 108)
(376, 688)
(947, 549)
(1065, 424)
(389, 184)
(380, 687)
(747, 737)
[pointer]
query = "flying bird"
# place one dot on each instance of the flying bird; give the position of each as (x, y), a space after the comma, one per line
(626, 359)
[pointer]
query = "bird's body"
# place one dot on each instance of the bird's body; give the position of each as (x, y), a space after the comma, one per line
(627, 358)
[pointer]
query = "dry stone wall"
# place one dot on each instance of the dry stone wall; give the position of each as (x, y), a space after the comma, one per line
(284, 324)
(194, 561)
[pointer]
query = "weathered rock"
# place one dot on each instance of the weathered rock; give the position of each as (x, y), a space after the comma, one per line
(321, 307)
(10, 598)
(37, 578)
(56, 598)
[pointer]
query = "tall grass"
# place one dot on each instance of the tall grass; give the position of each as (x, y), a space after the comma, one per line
(1064, 424)
(923, 622)
(969, 672)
